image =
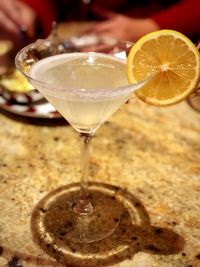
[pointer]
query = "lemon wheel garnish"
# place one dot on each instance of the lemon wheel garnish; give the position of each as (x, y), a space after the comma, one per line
(171, 59)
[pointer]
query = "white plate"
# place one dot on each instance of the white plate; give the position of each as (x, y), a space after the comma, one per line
(35, 110)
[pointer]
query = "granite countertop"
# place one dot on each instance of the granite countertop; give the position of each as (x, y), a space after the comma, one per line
(152, 152)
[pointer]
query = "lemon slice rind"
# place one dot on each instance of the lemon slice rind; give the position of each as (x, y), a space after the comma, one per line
(152, 92)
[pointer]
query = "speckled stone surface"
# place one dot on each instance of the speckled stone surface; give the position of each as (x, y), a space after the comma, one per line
(152, 152)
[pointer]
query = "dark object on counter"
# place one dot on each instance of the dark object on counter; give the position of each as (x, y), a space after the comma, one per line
(14, 262)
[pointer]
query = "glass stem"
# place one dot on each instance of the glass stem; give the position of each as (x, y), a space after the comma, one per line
(83, 205)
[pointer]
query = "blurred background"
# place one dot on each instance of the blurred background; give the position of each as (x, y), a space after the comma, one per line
(24, 21)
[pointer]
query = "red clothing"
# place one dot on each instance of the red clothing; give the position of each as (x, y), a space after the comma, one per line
(182, 15)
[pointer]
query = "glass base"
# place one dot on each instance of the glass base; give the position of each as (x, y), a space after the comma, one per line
(103, 237)
(57, 216)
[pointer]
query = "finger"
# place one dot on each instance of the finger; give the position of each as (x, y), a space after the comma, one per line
(11, 10)
(10, 28)
(103, 26)
(29, 19)
(27, 14)
(112, 35)
(103, 48)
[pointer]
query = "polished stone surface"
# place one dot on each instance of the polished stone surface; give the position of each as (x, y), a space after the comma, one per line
(152, 152)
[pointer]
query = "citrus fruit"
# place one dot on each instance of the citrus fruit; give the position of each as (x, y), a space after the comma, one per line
(15, 82)
(173, 62)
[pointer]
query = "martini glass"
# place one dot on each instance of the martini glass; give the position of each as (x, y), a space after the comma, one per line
(86, 85)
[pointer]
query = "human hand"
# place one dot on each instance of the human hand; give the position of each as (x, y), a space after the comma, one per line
(15, 16)
(124, 28)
